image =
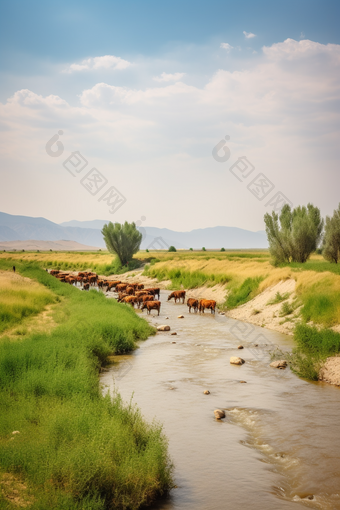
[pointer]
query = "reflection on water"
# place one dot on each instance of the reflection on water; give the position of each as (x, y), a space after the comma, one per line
(278, 445)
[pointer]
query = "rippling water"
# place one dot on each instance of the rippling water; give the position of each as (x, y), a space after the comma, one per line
(278, 446)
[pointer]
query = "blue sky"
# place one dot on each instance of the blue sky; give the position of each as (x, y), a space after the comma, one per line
(145, 90)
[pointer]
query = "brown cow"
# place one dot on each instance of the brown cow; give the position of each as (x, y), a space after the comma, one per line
(121, 296)
(130, 290)
(131, 300)
(54, 272)
(86, 286)
(208, 304)
(143, 293)
(93, 279)
(151, 305)
(155, 291)
(192, 303)
(121, 286)
(143, 299)
(112, 285)
(178, 294)
(140, 286)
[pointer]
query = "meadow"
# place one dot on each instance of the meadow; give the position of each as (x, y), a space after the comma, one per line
(63, 445)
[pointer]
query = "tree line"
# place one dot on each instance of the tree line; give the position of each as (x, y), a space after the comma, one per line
(296, 233)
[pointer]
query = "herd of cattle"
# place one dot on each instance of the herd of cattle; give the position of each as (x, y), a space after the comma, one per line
(132, 293)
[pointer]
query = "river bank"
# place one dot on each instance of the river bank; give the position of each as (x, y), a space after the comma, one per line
(97, 452)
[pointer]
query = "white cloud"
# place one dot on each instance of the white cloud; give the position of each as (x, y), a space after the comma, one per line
(226, 46)
(281, 111)
(248, 35)
(96, 63)
(302, 35)
(164, 77)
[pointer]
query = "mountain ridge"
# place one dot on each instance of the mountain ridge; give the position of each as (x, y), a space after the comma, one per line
(24, 228)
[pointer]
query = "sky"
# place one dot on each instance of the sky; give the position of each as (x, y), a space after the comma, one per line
(182, 114)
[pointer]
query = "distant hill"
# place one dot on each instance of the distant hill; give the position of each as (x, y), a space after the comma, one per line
(23, 228)
(45, 246)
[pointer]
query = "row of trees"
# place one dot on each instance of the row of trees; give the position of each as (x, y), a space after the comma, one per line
(297, 233)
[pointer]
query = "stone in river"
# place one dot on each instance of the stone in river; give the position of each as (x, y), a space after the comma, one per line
(235, 360)
(163, 328)
(180, 317)
(206, 392)
(174, 333)
(281, 363)
(240, 347)
(219, 414)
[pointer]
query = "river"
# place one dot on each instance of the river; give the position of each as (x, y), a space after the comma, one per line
(278, 446)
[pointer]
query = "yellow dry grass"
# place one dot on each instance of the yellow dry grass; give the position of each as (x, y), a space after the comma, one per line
(25, 305)
(60, 257)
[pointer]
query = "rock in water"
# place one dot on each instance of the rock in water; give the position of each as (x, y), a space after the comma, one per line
(206, 392)
(180, 317)
(174, 333)
(163, 328)
(235, 360)
(240, 347)
(281, 363)
(219, 414)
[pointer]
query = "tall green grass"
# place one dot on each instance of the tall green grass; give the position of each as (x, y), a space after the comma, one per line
(243, 293)
(77, 449)
(313, 347)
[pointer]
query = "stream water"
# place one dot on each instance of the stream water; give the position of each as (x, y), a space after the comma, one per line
(278, 446)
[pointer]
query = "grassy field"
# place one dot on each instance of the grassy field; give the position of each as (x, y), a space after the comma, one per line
(73, 448)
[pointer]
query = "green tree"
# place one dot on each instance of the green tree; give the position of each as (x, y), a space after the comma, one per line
(295, 234)
(222, 249)
(203, 249)
(172, 248)
(123, 240)
(331, 241)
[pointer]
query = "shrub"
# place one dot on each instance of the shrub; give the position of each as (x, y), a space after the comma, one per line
(331, 251)
(286, 309)
(295, 234)
(172, 248)
(123, 240)
(203, 249)
(222, 249)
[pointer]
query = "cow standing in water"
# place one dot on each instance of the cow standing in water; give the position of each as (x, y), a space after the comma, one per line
(192, 303)
(178, 294)
(208, 304)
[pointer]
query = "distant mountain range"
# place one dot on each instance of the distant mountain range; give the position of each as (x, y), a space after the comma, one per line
(24, 228)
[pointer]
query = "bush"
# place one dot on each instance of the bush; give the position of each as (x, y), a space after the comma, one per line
(123, 240)
(203, 249)
(222, 249)
(172, 248)
(286, 309)
(295, 234)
